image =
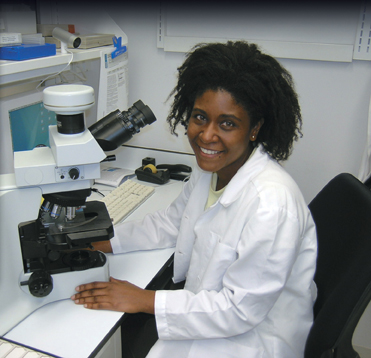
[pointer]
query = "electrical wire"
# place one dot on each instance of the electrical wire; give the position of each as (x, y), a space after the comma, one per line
(57, 73)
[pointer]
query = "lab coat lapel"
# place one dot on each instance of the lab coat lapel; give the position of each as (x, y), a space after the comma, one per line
(251, 168)
(194, 209)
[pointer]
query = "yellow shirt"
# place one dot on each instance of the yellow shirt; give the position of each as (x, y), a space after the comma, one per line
(213, 194)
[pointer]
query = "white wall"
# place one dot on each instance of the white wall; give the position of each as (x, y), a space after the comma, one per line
(334, 96)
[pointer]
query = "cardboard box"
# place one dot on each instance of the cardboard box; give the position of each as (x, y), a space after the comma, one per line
(47, 29)
(18, 19)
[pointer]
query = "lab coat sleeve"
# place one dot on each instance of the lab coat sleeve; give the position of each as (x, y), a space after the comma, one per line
(266, 253)
(157, 230)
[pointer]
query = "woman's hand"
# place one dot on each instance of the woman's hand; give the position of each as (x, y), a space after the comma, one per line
(115, 295)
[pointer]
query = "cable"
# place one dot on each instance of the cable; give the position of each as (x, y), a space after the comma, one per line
(97, 191)
(56, 74)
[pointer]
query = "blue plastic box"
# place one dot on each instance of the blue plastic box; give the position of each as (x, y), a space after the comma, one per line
(26, 52)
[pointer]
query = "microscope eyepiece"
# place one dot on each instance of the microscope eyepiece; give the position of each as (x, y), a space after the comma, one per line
(118, 127)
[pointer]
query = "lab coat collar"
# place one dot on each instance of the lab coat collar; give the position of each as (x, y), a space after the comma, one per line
(249, 170)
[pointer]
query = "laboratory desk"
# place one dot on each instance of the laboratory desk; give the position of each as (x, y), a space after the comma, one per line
(68, 330)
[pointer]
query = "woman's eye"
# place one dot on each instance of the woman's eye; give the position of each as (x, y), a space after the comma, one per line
(228, 124)
(199, 117)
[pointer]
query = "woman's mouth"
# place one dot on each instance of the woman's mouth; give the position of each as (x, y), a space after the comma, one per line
(209, 151)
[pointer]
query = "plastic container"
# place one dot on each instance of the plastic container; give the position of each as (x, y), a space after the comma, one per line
(26, 52)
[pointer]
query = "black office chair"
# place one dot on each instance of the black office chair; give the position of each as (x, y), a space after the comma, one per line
(368, 182)
(342, 213)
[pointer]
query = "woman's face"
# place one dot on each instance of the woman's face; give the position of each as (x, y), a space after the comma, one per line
(220, 134)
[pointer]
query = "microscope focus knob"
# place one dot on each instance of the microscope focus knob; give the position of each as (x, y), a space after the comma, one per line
(74, 173)
(40, 283)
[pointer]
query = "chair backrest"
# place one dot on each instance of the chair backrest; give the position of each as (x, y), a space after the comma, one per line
(342, 213)
(368, 182)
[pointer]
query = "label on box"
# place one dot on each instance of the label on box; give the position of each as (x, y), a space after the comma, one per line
(10, 38)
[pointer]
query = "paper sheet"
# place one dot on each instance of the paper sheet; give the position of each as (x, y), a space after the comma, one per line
(113, 83)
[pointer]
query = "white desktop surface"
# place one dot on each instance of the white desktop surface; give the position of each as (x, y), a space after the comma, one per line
(71, 331)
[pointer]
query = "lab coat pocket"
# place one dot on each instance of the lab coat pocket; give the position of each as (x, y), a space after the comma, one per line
(221, 258)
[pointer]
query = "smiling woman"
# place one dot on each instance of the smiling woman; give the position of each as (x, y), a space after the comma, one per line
(220, 134)
(245, 242)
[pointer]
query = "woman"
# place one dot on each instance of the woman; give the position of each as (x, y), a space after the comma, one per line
(244, 238)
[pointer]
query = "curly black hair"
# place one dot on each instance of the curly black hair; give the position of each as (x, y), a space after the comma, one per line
(255, 80)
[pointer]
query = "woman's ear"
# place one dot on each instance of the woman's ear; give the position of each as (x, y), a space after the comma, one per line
(255, 131)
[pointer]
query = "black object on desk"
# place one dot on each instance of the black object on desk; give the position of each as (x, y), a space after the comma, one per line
(157, 177)
(161, 174)
(177, 171)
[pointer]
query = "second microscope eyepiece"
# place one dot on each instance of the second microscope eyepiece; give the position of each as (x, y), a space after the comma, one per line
(118, 127)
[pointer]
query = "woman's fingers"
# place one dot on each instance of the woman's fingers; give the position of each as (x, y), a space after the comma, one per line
(115, 295)
(91, 286)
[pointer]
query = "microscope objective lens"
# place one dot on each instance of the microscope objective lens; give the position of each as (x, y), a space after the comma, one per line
(56, 211)
(70, 212)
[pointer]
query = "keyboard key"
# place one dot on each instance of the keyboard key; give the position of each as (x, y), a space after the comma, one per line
(126, 198)
(13, 350)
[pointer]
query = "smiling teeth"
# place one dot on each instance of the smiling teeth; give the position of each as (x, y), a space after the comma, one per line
(207, 151)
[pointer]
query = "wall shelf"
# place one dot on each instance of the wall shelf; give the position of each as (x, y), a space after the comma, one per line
(14, 71)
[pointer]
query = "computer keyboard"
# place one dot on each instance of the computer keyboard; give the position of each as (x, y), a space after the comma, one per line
(10, 349)
(124, 199)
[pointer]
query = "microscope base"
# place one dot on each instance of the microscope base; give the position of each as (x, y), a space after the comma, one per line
(64, 284)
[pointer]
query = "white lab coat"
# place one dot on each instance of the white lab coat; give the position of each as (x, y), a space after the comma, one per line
(248, 262)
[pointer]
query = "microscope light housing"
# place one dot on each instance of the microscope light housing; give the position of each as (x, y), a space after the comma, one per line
(68, 99)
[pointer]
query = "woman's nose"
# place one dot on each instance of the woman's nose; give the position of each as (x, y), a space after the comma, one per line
(208, 133)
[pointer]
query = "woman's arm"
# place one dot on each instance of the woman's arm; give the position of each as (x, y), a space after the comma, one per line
(157, 230)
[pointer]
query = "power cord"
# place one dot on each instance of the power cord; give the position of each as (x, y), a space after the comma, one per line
(58, 73)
